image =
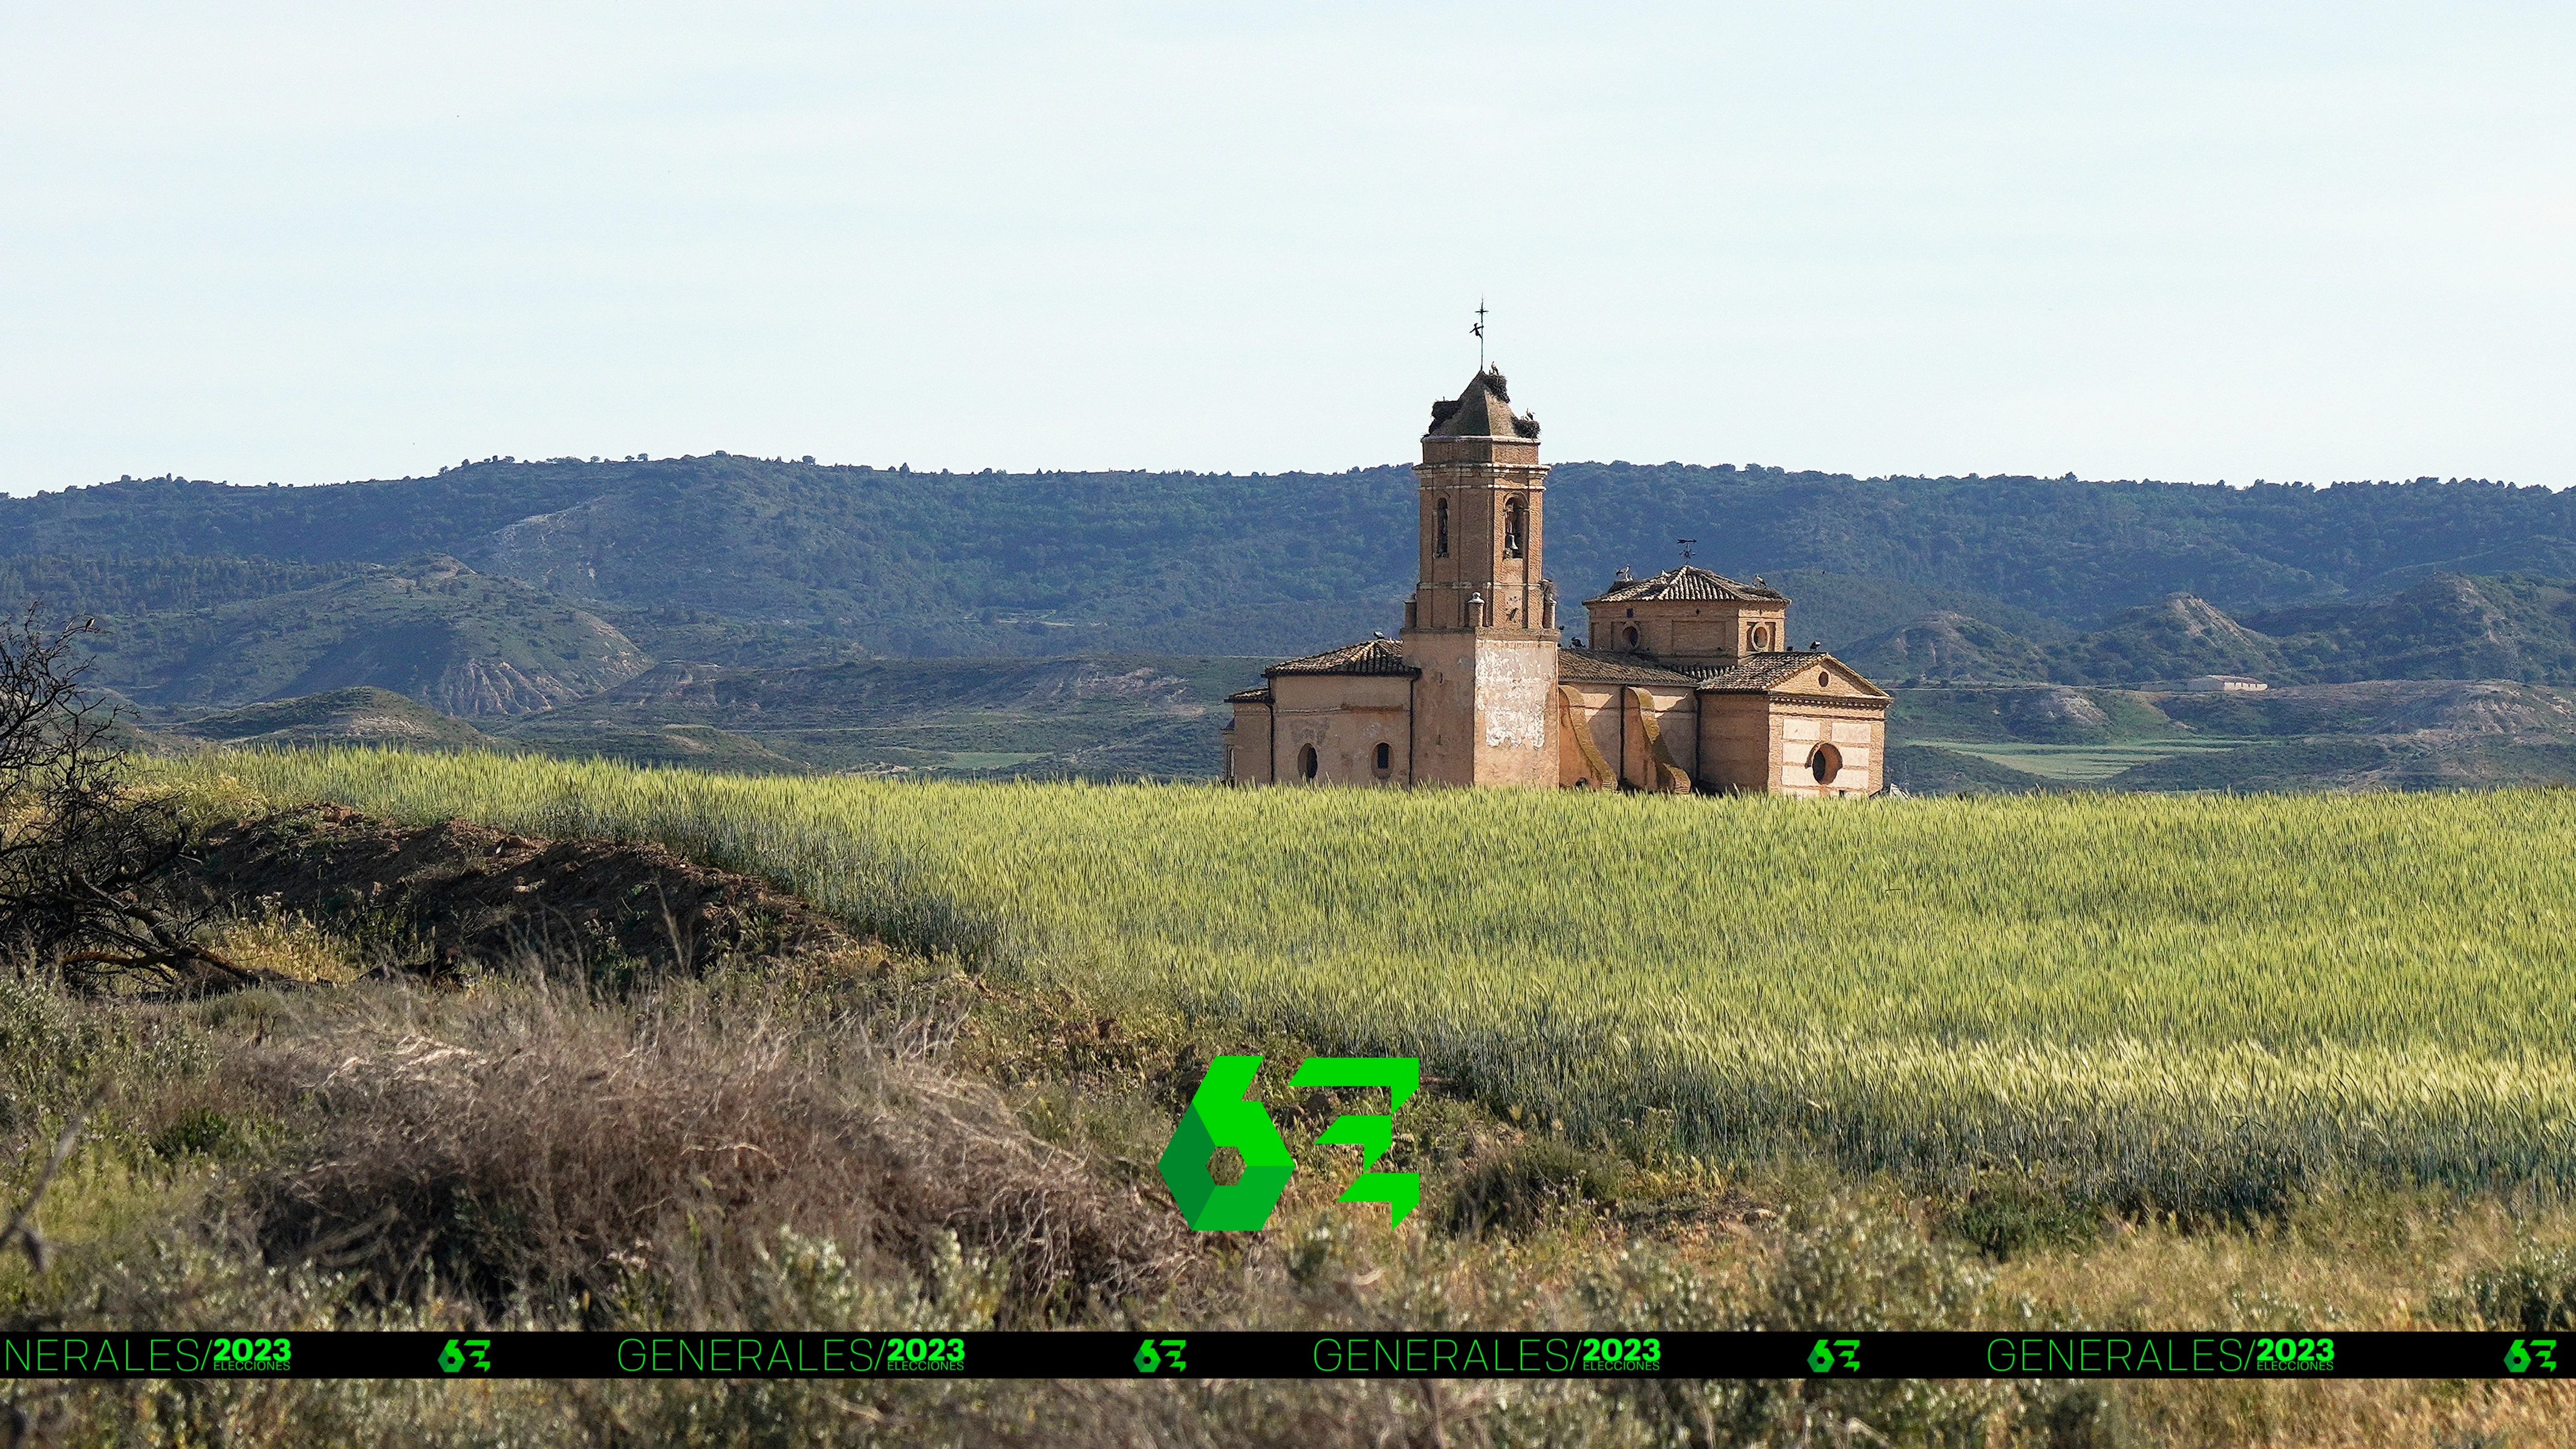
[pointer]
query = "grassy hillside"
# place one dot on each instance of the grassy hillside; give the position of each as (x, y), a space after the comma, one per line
(462, 642)
(362, 714)
(2205, 1003)
(907, 563)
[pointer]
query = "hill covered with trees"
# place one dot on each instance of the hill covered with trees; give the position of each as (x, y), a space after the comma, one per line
(759, 615)
(464, 642)
(706, 557)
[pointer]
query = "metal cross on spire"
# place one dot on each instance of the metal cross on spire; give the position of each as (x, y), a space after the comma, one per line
(1686, 547)
(1479, 330)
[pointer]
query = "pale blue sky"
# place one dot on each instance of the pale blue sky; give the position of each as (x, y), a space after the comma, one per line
(2178, 240)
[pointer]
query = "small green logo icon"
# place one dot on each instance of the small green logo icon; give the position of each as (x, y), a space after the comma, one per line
(451, 1359)
(1147, 1360)
(1827, 1353)
(2541, 1351)
(1220, 1116)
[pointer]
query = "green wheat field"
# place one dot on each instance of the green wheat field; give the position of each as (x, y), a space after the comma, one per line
(2203, 1004)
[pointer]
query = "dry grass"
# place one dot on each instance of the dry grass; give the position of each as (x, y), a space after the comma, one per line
(531, 1143)
(287, 943)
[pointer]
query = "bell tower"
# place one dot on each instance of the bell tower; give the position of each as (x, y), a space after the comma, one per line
(1481, 625)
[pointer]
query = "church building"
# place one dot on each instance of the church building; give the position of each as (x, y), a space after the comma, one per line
(1690, 683)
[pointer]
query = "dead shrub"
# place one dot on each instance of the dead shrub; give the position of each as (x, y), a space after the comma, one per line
(533, 1144)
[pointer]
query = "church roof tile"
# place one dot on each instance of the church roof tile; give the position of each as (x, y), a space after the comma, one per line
(1761, 673)
(1598, 666)
(1688, 582)
(1369, 656)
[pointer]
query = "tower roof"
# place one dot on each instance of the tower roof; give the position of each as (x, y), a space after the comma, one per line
(1688, 582)
(1484, 410)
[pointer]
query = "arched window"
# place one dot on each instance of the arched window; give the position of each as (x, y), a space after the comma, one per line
(1825, 763)
(1385, 758)
(1631, 636)
(1515, 525)
(1306, 762)
(1440, 529)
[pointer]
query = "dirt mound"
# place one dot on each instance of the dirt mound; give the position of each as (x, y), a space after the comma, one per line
(436, 895)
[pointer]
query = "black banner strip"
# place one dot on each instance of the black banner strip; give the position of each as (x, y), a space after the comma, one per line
(1180, 1353)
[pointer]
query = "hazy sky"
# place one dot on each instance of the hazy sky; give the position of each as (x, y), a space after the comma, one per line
(2177, 240)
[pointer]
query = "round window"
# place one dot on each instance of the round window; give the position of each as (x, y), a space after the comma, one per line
(1823, 680)
(1825, 763)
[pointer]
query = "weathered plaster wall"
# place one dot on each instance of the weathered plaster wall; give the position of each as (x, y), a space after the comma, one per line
(1247, 746)
(1486, 711)
(1344, 717)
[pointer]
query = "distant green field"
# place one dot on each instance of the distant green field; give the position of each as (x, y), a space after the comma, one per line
(2199, 1002)
(987, 759)
(2082, 762)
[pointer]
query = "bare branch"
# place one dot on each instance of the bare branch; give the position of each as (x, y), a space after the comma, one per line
(87, 865)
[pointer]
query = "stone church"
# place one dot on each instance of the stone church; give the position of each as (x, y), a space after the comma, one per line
(1690, 683)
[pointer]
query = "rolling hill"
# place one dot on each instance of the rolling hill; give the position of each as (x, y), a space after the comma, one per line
(1041, 619)
(689, 553)
(462, 642)
(359, 715)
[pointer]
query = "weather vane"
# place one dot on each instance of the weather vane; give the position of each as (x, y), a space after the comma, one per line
(1686, 547)
(1479, 330)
